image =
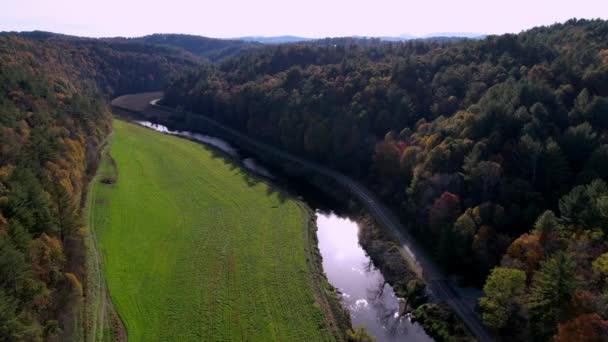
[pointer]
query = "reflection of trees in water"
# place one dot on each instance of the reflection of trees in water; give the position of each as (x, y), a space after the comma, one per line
(385, 308)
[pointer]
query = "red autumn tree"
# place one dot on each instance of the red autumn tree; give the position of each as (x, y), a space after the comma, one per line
(444, 211)
(588, 328)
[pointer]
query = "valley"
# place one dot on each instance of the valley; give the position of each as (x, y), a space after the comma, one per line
(159, 186)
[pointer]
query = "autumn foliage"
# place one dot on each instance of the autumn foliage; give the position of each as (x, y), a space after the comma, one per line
(54, 118)
(588, 328)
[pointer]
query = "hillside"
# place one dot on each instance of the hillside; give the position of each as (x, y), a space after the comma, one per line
(494, 151)
(54, 119)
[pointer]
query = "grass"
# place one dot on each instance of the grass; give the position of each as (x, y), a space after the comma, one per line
(195, 249)
(101, 322)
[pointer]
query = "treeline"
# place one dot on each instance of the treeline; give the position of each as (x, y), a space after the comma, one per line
(53, 120)
(494, 151)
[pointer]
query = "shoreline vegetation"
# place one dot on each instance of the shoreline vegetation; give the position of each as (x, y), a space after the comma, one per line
(437, 318)
(335, 319)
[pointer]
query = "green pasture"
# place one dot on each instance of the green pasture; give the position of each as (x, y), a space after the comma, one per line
(194, 249)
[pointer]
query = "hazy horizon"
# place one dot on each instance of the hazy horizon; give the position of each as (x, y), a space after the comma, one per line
(312, 19)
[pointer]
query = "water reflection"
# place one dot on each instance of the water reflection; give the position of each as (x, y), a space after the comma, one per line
(253, 165)
(218, 143)
(368, 298)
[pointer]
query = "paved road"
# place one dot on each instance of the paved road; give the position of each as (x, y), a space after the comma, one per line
(440, 287)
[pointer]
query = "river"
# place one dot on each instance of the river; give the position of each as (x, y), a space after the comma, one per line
(217, 143)
(363, 291)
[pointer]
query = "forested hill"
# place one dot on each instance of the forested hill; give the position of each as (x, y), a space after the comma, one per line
(494, 151)
(213, 49)
(118, 67)
(53, 120)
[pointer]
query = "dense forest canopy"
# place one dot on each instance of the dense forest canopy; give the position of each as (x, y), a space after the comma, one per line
(494, 151)
(53, 120)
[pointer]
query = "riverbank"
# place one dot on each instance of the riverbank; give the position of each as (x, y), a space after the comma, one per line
(437, 319)
(336, 316)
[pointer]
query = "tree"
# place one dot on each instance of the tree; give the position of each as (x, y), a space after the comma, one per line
(47, 258)
(465, 228)
(485, 177)
(555, 169)
(549, 231)
(409, 161)
(581, 105)
(386, 164)
(597, 164)
(504, 290)
(442, 215)
(524, 253)
(530, 151)
(550, 293)
(588, 328)
(13, 327)
(578, 142)
(444, 211)
(600, 266)
(586, 206)
(14, 270)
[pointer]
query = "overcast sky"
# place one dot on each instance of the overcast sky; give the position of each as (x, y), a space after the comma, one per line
(309, 18)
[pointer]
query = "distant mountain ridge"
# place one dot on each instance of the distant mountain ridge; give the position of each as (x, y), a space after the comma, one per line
(213, 49)
(274, 39)
(399, 38)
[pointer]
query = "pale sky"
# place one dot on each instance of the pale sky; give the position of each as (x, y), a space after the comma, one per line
(308, 18)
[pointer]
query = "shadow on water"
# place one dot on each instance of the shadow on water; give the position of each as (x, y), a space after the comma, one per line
(235, 159)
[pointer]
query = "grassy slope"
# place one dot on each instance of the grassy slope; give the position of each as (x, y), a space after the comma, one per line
(193, 249)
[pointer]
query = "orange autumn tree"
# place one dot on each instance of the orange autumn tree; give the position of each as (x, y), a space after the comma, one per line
(46, 253)
(525, 253)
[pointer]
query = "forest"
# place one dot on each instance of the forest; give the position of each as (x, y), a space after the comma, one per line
(494, 151)
(54, 118)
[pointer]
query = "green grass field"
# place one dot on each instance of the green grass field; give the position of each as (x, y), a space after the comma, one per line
(194, 249)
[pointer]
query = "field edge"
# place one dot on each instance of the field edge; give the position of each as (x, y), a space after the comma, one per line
(101, 321)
